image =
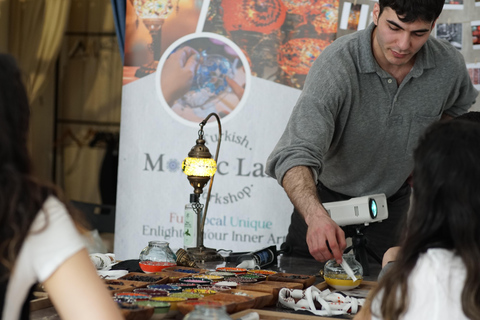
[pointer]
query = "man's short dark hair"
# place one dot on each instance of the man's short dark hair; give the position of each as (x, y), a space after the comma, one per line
(413, 10)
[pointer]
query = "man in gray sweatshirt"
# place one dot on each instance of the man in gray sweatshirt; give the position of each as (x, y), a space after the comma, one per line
(367, 99)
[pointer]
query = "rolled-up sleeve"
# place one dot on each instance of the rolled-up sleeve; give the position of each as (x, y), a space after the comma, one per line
(311, 126)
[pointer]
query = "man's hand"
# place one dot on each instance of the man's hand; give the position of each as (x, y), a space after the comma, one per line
(325, 239)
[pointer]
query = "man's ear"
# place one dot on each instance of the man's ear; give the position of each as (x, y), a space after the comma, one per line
(376, 13)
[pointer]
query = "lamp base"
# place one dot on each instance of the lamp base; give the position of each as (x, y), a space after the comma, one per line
(184, 259)
(203, 254)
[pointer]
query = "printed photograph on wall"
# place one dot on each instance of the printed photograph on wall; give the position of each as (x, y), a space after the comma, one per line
(476, 34)
(453, 5)
(452, 32)
(354, 16)
(152, 26)
(281, 39)
(474, 72)
(201, 75)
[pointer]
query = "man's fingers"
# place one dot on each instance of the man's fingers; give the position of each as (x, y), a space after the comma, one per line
(342, 242)
(335, 250)
(337, 243)
(320, 256)
(334, 242)
(319, 250)
(325, 239)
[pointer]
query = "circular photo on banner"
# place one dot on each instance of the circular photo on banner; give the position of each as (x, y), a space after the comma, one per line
(200, 74)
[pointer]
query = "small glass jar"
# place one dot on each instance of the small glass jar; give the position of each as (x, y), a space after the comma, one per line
(336, 277)
(157, 256)
(202, 312)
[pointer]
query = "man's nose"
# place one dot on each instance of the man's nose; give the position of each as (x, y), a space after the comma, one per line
(404, 41)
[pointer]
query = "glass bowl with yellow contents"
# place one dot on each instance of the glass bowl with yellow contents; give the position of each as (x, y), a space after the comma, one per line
(336, 277)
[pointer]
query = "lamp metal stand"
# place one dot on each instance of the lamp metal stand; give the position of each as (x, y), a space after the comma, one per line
(200, 252)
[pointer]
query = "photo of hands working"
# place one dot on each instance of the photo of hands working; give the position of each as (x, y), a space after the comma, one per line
(202, 76)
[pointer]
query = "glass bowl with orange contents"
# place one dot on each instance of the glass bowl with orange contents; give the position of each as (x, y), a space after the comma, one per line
(336, 277)
(157, 256)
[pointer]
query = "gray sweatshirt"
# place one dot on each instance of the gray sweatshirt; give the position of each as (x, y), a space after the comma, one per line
(356, 128)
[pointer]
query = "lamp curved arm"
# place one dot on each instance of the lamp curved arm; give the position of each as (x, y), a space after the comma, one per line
(216, 158)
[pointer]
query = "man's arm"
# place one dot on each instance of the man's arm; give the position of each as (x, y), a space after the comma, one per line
(301, 189)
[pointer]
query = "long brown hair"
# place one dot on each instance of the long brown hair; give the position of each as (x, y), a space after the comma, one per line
(445, 213)
(21, 194)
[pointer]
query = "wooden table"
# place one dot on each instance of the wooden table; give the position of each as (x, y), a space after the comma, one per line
(286, 264)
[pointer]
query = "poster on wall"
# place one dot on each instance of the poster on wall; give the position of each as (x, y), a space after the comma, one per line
(474, 72)
(244, 60)
(452, 32)
(453, 5)
(354, 16)
(476, 34)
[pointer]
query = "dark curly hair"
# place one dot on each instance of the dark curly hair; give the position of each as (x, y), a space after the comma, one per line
(412, 10)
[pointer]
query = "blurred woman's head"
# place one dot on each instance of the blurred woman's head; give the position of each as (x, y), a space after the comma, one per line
(446, 201)
(444, 213)
(14, 118)
(21, 194)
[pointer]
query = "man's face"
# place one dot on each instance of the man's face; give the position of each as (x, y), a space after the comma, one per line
(395, 42)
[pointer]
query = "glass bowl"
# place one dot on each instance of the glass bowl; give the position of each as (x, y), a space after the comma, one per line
(336, 277)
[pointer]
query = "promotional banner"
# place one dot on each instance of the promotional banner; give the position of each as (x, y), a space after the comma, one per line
(245, 60)
(184, 59)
